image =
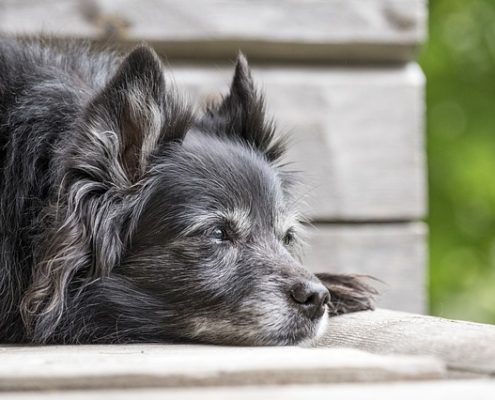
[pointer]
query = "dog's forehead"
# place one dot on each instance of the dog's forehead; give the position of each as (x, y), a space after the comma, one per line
(233, 179)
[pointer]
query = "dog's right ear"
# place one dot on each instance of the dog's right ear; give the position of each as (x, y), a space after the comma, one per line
(134, 115)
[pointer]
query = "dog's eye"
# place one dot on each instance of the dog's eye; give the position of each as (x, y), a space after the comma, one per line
(219, 234)
(289, 237)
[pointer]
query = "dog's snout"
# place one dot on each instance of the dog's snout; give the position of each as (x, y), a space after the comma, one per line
(311, 298)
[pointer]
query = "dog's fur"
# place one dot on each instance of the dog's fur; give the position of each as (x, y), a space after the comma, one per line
(126, 218)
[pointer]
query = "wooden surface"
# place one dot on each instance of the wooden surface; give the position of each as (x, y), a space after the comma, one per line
(437, 349)
(89, 367)
(356, 134)
(437, 390)
(465, 347)
(375, 30)
(393, 253)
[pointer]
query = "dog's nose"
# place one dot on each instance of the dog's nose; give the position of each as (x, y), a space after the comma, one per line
(311, 298)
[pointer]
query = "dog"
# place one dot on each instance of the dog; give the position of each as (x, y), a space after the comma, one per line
(125, 217)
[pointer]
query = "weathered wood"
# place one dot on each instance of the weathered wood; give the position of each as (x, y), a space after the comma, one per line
(393, 253)
(89, 367)
(438, 390)
(463, 346)
(295, 30)
(357, 134)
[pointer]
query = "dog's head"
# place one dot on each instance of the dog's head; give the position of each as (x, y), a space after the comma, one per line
(171, 227)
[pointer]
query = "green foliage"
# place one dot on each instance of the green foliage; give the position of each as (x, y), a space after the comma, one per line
(459, 63)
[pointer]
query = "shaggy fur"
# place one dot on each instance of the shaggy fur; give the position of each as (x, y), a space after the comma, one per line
(126, 218)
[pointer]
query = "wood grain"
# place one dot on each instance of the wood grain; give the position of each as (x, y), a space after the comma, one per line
(128, 366)
(309, 30)
(464, 346)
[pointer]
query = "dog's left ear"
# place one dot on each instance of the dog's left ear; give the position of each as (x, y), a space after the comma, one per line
(241, 115)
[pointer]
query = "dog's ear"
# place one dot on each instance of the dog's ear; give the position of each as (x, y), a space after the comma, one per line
(133, 117)
(348, 293)
(136, 113)
(241, 115)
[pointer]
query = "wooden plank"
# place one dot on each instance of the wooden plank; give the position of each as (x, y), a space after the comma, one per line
(438, 390)
(393, 253)
(310, 30)
(356, 134)
(464, 346)
(89, 367)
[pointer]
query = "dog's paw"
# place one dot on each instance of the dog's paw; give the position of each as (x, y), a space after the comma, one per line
(349, 293)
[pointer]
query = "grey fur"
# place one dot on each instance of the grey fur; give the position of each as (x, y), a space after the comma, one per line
(126, 218)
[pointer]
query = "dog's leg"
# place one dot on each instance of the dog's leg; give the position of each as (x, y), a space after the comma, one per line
(349, 293)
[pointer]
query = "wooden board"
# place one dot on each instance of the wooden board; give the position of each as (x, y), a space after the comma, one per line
(89, 367)
(465, 347)
(357, 134)
(296, 30)
(393, 253)
(438, 390)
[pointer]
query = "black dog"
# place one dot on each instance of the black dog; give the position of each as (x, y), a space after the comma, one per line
(125, 218)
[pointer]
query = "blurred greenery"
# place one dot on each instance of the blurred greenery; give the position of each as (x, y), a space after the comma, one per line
(459, 63)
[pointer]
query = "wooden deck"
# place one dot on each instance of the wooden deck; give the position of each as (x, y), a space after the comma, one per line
(364, 355)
